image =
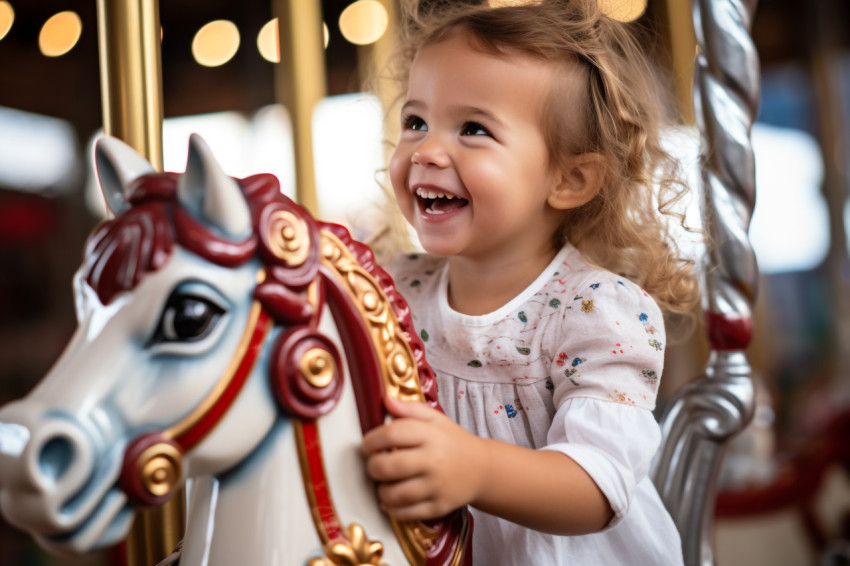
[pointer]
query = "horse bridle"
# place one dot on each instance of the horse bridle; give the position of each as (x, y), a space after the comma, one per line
(307, 382)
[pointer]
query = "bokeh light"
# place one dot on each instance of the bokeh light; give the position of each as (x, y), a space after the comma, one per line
(216, 43)
(60, 34)
(623, 10)
(7, 17)
(268, 42)
(364, 22)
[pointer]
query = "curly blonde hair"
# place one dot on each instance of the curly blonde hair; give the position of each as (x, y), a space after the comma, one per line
(626, 228)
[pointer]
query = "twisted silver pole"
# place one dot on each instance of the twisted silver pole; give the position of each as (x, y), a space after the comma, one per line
(716, 406)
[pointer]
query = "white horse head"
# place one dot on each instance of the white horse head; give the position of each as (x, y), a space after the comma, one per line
(204, 349)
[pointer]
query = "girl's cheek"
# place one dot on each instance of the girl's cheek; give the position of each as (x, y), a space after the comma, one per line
(398, 171)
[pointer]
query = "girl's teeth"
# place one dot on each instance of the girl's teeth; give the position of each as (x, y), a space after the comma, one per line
(433, 194)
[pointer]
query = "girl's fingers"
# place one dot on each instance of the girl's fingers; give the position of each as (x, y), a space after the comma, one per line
(399, 433)
(409, 409)
(405, 493)
(395, 465)
(411, 426)
(411, 500)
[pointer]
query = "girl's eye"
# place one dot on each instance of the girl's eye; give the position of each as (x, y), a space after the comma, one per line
(415, 123)
(474, 129)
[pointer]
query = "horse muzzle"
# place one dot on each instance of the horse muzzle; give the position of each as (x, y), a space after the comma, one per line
(48, 484)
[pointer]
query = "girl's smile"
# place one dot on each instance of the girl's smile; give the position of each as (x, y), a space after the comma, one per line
(435, 201)
(472, 172)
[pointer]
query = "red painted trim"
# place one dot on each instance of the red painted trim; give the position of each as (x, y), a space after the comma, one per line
(728, 332)
(362, 359)
(319, 482)
(196, 238)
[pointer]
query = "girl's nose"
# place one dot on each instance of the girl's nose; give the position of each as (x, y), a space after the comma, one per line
(430, 154)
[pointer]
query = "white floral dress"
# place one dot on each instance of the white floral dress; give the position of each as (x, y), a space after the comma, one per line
(571, 364)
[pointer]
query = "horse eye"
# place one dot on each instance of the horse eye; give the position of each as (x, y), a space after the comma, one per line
(186, 318)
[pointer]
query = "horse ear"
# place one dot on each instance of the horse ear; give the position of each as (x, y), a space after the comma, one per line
(210, 194)
(116, 165)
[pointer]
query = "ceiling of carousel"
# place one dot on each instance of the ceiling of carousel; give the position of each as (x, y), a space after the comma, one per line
(68, 86)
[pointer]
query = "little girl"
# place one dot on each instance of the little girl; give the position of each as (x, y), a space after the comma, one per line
(531, 168)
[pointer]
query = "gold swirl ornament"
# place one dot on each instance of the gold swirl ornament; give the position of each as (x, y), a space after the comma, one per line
(289, 237)
(318, 367)
(160, 468)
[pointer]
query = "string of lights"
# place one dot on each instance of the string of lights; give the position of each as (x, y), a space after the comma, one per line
(215, 43)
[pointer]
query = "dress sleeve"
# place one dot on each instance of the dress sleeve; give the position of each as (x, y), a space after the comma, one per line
(609, 344)
(612, 442)
(608, 353)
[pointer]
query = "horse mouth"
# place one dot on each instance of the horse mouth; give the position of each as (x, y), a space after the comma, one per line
(105, 526)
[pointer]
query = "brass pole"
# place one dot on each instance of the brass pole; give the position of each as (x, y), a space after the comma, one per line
(683, 44)
(378, 76)
(131, 74)
(375, 76)
(300, 84)
(131, 92)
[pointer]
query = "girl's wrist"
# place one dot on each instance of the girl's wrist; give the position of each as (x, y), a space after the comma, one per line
(482, 468)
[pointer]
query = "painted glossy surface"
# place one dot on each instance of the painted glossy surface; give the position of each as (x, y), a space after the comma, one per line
(706, 413)
(204, 350)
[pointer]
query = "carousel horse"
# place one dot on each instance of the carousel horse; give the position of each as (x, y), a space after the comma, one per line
(204, 350)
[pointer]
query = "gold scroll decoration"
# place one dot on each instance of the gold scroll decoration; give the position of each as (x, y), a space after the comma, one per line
(398, 366)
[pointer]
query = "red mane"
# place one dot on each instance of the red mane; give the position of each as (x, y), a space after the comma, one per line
(121, 251)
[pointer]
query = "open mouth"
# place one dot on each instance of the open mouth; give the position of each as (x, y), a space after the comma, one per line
(439, 202)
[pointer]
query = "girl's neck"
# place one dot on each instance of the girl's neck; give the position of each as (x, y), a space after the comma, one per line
(481, 287)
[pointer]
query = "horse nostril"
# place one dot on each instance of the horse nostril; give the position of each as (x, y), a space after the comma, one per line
(55, 458)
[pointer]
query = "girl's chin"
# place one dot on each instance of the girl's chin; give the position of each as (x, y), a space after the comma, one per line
(438, 247)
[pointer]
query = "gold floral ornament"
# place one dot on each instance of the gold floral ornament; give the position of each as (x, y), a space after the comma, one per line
(358, 550)
(621, 10)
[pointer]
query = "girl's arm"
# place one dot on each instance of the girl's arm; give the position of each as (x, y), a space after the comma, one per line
(427, 466)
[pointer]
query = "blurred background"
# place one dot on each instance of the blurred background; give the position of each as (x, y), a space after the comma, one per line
(784, 495)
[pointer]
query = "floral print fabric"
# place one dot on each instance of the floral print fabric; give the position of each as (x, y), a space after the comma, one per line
(577, 331)
(571, 364)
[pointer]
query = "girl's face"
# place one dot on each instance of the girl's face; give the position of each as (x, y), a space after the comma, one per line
(471, 172)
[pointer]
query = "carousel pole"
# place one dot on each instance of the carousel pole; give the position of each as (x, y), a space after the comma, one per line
(376, 76)
(372, 63)
(715, 407)
(824, 62)
(300, 85)
(131, 92)
(131, 74)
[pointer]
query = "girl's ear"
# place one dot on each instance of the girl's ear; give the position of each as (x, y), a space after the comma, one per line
(580, 181)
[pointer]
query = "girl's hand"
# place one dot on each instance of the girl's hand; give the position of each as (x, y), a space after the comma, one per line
(426, 465)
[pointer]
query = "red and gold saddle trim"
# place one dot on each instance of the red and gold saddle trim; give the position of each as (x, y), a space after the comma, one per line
(349, 545)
